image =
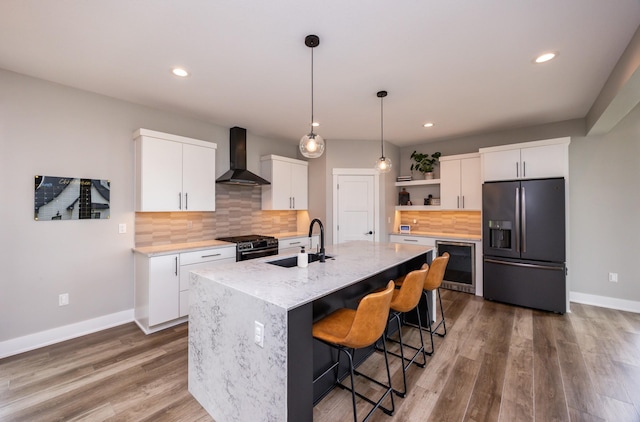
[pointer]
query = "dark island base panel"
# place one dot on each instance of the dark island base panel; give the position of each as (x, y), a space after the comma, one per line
(309, 358)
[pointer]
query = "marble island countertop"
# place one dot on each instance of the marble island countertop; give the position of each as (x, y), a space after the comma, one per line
(250, 326)
(292, 287)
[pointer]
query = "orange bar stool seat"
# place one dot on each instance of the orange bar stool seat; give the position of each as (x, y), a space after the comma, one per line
(347, 330)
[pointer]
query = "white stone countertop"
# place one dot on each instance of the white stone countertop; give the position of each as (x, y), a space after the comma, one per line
(441, 236)
(289, 288)
(181, 247)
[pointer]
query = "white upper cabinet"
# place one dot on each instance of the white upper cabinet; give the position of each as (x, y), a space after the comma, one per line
(174, 173)
(289, 183)
(530, 160)
(460, 182)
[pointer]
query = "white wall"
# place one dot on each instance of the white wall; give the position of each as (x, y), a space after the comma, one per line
(605, 212)
(49, 129)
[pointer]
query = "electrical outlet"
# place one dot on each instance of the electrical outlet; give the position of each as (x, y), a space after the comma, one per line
(259, 334)
(63, 299)
(613, 277)
(122, 228)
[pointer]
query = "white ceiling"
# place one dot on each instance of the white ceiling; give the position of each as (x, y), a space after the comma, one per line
(465, 65)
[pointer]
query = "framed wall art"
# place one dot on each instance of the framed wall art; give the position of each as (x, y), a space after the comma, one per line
(68, 198)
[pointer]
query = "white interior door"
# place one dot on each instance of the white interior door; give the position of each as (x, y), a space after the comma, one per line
(355, 208)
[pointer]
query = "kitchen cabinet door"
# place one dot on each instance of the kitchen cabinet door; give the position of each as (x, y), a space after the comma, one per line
(198, 178)
(164, 288)
(299, 186)
(471, 184)
(460, 184)
(543, 161)
(289, 183)
(450, 178)
(158, 175)
(501, 165)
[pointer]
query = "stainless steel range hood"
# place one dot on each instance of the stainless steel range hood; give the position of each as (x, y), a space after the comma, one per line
(238, 173)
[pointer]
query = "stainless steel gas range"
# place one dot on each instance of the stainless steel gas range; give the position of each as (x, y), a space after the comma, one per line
(253, 246)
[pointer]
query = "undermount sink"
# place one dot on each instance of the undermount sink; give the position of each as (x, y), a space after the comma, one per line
(292, 261)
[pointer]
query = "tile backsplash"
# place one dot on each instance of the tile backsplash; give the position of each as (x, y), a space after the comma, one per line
(454, 222)
(238, 212)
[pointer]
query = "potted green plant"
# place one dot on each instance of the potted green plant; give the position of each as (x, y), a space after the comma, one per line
(424, 163)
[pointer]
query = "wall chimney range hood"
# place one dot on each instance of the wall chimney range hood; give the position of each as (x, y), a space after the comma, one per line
(238, 173)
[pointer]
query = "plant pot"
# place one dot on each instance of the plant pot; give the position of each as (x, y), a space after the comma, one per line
(428, 175)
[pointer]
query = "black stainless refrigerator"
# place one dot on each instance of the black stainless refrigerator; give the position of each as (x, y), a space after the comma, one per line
(524, 243)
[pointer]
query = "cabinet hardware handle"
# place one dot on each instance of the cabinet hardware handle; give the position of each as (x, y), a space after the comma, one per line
(210, 256)
(517, 170)
(524, 219)
(176, 258)
(462, 201)
(294, 202)
(524, 169)
(186, 201)
(458, 206)
(517, 218)
(290, 206)
(179, 200)
(410, 240)
(369, 232)
(520, 264)
(295, 243)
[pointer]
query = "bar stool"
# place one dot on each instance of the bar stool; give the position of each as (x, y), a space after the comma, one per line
(432, 282)
(347, 330)
(406, 299)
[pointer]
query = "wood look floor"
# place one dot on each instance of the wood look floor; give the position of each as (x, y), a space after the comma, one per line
(497, 363)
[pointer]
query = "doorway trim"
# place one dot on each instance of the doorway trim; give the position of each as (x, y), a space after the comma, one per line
(376, 197)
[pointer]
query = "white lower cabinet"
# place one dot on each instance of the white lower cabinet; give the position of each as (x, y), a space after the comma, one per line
(190, 261)
(162, 285)
(293, 244)
(412, 240)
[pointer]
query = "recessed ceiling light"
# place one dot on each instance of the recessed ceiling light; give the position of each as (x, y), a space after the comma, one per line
(178, 71)
(428, 124)
(545, 57)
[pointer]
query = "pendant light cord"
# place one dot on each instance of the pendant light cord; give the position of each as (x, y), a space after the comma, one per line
(311, 90)
(381, 126)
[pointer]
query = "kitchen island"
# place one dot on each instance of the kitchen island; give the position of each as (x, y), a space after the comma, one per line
(236, 379)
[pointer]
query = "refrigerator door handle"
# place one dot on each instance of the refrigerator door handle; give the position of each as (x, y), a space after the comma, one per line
(521, 264)
(517, 218)
(524, 221)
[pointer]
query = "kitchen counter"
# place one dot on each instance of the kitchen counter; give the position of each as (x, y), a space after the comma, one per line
(442, 236)
(234, 378)
(180, 247)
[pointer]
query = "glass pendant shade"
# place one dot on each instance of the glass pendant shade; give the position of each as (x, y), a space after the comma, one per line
(383, 165)
(312, 145)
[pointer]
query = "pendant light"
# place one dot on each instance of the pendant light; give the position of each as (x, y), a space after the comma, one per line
(383, 165)
(312, 145)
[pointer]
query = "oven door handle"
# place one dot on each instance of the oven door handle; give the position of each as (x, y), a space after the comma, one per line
(259, 251)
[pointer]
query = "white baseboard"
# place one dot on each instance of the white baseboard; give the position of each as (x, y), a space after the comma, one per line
(605, 302)
(56, 335)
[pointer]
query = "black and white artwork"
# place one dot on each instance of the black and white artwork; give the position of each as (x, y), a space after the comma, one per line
(68, 198)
